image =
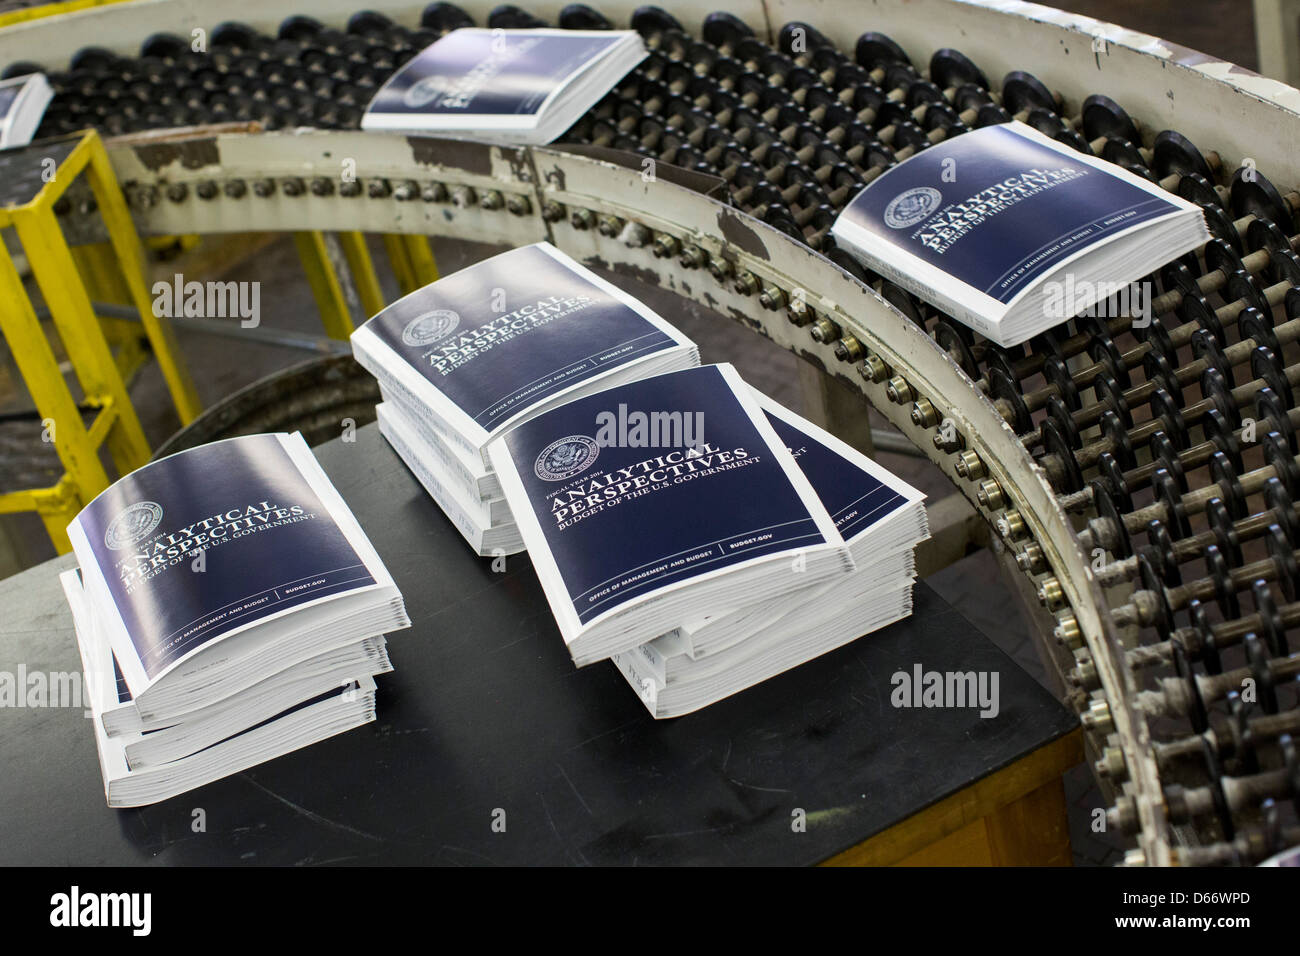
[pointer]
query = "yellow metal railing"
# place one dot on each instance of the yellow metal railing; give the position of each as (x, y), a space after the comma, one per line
(105, 351)
(54, 268)
(25, 14)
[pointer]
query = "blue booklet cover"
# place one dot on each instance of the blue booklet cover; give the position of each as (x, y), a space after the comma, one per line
(977, 222)
(858, 493)
(610, 523)
(475, 80)
(479, 349)
(209, 541)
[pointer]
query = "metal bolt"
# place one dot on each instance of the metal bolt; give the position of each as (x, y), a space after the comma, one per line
(1011, 525)
(924, 414)
(491, 200)
(320, 186)
(692, 257)
(1032, 560)
(406, 190)
(349, 188)
(264, 188)
(948, 440)
(970, 466)
(1112, 764)
(1124, 816)
(552, 211)
(378, 189)
(719, 268)
(873, 369)
(609, 226)
(990, 495)
(665, 246)
(824, 331)
(898, 391)
(849, 349)
(799, 314)
(463, 196)
(206, 189)
(1051, 595)
(293, 186)
(236, 189)
(746, 283)
(1097, 717)
(582, 218)
(144, 197)
(433, 192)
(1068, 633)
(771, 298)
(518, 205)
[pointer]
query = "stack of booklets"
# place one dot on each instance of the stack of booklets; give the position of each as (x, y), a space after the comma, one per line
(23, 100)
(228, 609)
(881, 519)
(1013, 233)
(504, 86)
(472, 355)
(706, 559)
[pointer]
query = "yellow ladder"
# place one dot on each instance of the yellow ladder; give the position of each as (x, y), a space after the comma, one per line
(32, 180)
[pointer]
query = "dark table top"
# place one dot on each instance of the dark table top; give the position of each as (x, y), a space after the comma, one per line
(485, 713)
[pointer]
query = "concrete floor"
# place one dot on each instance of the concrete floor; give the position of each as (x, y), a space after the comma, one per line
(222, 365)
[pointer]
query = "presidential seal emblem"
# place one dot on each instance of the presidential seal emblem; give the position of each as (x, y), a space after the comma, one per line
(565, 458)
(430, 327)
(910, 207)
(423, 92)
(133, 524)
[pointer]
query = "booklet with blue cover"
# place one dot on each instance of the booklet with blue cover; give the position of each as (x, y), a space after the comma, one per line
(332, 693)
(491, 345)
(23, 100)
(1011, 232)
(633, 530)
(216, 567)
(717, 654)
(471, 516)
(475, 353)
(506, 86)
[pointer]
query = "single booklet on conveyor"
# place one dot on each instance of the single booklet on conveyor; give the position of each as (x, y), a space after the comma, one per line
(23, 100)
(214, 568)
(1012, 233)
(504, 86)
(633, 533)
(726, 650)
